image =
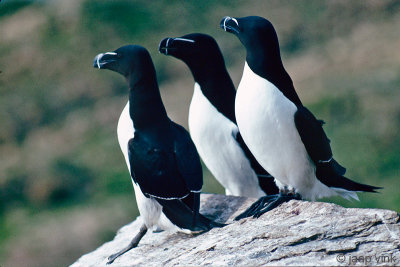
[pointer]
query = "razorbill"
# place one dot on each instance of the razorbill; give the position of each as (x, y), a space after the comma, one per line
(212, 121)
(162, 159)
(284, 136)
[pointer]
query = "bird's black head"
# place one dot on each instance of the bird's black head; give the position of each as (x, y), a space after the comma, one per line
(263, 57)
(201, 54)
(125, 60)
(134, 63)
(255, 33)
(195, 49)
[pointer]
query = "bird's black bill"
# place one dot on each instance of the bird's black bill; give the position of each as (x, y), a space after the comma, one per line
(230, 24)
(168, 44)
(265, 204)
(165, 46)
(103, 59)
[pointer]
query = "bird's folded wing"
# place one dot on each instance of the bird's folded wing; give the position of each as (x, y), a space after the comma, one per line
(155, 170)
(315, 140)
(187, 159)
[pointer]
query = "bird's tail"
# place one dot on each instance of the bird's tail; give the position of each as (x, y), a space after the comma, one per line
(212, 224)
(182, 216)
(334, 179)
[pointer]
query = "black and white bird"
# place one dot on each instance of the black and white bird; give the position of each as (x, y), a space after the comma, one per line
(212, 121)
(162, 159)
(284, 136)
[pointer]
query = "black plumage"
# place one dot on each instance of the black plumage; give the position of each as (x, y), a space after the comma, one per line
(163, 159)
(165, 165)
(202, 55)
(263, 58)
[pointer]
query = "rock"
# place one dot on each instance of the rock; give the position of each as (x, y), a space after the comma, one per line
(295, 233)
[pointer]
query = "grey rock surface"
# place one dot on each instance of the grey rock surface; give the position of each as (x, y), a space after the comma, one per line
(295, 233)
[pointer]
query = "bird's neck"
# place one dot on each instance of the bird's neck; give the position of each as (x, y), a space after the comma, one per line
(265, 61)
(145, 105)
(268, 64)
(218, 88)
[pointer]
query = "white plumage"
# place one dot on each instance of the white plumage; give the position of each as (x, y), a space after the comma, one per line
(266, 121)
(215, 138)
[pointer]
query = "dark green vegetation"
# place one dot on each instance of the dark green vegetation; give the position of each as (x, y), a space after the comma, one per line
(64, 186)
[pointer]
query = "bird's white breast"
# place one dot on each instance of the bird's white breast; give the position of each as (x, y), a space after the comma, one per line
(125, 132)
(266, 121)
(214, 137)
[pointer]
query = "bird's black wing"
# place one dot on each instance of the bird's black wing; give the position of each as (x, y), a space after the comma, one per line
(187, 159)
(172, 177)
(155, 169)
(265, 180)
(328, 171)
(182, 216)
(315, 140)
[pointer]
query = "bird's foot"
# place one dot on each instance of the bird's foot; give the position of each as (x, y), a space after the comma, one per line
(266, 204)
(135, 241)
(282, 198)
(113, 257)
(261, 202)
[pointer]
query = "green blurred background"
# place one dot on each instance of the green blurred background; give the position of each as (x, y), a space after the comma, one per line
(64, 186)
